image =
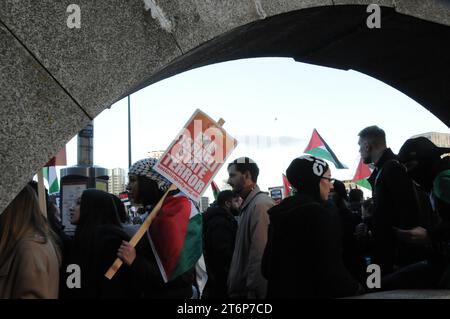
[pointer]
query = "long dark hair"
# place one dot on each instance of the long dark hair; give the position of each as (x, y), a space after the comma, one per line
(21, 219)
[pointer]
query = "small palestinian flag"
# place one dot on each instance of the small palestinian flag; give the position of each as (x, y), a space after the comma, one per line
(52, 179)
(363, 172)
(319, 148)
(287, 187)
(215, 190)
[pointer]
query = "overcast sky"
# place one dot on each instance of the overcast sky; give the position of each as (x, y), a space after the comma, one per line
(274, 101)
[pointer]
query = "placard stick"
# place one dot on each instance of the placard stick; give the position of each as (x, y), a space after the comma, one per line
(41, 193)
(141, 232)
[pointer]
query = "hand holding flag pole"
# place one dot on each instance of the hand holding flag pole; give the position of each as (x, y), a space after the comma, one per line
(140, 233)
(146, 225)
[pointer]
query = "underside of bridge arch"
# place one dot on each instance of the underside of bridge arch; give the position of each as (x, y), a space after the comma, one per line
(410, 54)
(55, 79)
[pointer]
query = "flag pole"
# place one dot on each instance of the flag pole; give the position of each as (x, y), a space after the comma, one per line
(41, 193)
(140, 233)
(145, 226)
(129, 133)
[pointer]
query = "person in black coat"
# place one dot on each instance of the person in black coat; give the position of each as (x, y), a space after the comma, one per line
(352, 254)
(98, 237)
(395, 203)
(424, 164)
(303, 255)
(356, 198)
(219, 234)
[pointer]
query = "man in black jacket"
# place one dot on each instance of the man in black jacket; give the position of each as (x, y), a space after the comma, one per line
(425, 165)
(219, 234)
(394, 202)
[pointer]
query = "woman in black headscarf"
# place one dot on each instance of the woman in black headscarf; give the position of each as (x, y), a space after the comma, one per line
(303, 256)
(98, 236)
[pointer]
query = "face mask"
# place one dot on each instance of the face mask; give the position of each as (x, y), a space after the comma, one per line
(422, 174)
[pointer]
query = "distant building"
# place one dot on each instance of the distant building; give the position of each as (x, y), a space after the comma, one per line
(204, 203)
(116, 182)
(440, 139)
(156, 154)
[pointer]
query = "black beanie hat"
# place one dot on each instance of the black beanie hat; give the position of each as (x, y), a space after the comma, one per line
(304, 173)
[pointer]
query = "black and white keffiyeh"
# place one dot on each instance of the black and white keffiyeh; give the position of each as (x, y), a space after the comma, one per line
(144, 167)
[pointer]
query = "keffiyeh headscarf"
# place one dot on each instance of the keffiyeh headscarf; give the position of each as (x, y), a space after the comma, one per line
(144, 168)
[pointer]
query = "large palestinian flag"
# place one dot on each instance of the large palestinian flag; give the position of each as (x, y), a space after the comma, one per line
(176, 236)
(319, 148)
(363, 172)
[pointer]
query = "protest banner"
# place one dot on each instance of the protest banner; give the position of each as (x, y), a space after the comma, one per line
(190, 163)
(196, 155)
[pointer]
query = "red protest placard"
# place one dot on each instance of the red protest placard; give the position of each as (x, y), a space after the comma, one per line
(196, 155)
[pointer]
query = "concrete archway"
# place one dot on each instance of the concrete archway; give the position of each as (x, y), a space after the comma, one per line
(55, 79)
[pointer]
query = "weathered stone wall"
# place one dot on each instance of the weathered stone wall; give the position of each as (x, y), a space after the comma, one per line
(54, 80)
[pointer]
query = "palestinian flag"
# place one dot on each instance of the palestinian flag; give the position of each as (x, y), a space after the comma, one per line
(52, 179)
(215, 190)
(319, 148)
(176, 236)
(363, 172)
(287, 187)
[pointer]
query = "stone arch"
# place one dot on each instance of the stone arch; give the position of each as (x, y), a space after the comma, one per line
(54, 79)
